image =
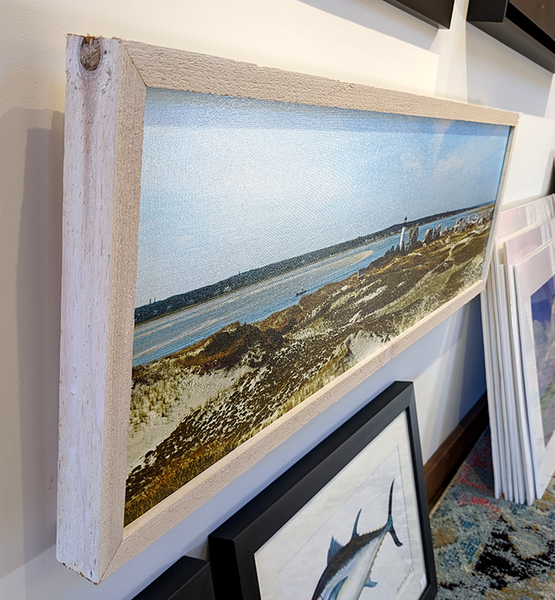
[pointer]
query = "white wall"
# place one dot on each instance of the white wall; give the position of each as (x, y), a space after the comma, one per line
(365, 41)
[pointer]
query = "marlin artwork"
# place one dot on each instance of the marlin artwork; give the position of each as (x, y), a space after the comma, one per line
(349, 567)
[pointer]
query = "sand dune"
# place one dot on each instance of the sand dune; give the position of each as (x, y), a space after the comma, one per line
(191, 408)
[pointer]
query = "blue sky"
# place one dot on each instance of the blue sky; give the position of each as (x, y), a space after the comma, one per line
(233, 184)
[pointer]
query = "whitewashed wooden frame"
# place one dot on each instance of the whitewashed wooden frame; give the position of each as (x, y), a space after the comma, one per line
(102, 170)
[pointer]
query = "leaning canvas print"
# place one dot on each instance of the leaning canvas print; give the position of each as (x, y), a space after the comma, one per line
(280, 245)
(242, 247)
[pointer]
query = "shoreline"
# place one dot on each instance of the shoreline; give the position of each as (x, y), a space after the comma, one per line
(265, 368)
(152, 311)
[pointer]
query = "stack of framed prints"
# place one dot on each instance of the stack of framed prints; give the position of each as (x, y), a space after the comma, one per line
(349, 517)
(520, 364)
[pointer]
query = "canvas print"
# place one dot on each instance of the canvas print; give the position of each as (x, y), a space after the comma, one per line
(349, 567)
(535, 287)
(280, 245)
(359, 537)
(513, 249)
(543, 317)
(256, 243)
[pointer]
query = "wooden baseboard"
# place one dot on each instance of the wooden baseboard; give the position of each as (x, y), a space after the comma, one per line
(443, 465)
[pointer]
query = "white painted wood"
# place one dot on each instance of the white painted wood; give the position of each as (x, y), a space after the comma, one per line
(103, 144)
(104, 121)
(181, 70)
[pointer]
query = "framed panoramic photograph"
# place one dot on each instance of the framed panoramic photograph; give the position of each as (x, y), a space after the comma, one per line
(535, 286)
(349, 519)
(187, 579)
(242, 246)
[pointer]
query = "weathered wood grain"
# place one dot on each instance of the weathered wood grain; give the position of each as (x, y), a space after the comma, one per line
(102, 166)
(181, 70)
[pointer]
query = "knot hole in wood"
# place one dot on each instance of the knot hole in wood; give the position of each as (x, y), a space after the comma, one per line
(90, 53)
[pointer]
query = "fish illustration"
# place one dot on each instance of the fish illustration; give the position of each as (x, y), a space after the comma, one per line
(349, 567)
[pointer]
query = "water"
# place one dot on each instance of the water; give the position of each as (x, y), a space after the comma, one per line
(178, 330)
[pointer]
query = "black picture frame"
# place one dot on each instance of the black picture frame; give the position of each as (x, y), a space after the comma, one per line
(527, 26)
(434, 12)
(237, 545)
(187, 579)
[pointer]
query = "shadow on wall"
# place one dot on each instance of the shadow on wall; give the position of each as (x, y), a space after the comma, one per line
(381, 17)
(28, 519)
(473, 365)
(454, 378)
(495, 75)
(501, 77)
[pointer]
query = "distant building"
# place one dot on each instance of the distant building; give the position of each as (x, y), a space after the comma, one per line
(413, 238)
(402, 240)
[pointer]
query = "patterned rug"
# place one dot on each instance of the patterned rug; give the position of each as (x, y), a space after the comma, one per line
(489, 548)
